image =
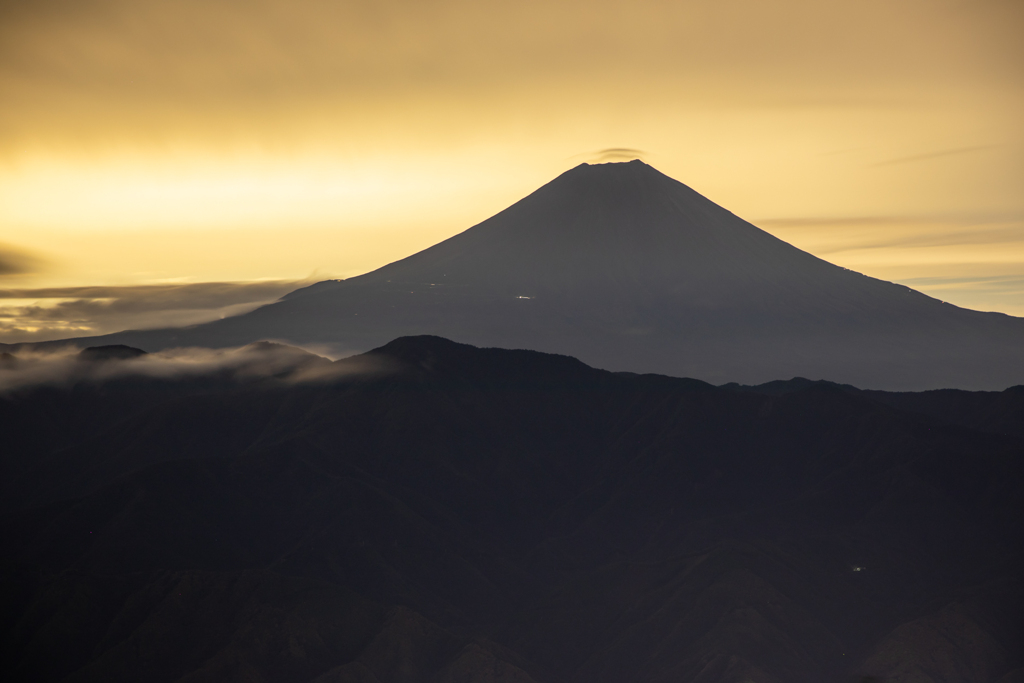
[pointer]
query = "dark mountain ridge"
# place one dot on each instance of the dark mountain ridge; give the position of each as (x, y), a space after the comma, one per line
(630, 270)
(440, 512)
(997, 412)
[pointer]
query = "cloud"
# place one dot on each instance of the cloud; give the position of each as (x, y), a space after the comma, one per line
(61, 312)
(886, 232)
(114, 67)
(928, 156)
(613, 154)
(258, 362)
(15, 261)
(170, 296)
(1001, 283)
(1003, 293)
(829, 221)
(982, 235)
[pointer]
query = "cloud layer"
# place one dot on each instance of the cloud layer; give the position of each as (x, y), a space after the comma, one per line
(26, 368)
(190, 64)
(63, 312)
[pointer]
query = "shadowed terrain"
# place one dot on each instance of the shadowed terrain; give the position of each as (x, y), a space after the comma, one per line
(431, 511)
(627, 269)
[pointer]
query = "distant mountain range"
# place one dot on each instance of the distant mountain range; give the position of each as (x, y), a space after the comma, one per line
(438, 513)
(628, 269)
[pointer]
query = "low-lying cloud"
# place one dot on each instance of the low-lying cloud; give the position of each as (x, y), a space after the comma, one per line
(261, 361)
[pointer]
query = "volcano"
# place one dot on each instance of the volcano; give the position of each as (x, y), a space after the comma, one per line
(628, 269)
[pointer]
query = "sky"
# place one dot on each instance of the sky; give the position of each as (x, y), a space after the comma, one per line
(171, 161)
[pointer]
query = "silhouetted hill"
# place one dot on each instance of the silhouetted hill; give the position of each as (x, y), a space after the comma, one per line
(431, 511)
(630, 270)
(111, 352)
(998, 412)
(781, 387)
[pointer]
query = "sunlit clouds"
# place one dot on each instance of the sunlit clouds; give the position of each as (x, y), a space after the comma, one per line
(198, 142)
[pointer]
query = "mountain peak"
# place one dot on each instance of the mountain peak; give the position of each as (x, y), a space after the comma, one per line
(632, 163)
(602, 226)
(615, 170)
(626, 268)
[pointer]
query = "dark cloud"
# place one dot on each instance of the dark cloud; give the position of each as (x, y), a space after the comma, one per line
(14, 261)
(59, 312)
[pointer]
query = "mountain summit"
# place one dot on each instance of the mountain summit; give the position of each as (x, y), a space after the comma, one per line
(627, 269)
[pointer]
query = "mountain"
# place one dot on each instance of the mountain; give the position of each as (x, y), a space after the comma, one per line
(630, 270)
(434, 512)
(997, 412)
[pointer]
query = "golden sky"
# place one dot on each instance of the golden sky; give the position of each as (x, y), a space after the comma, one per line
(155, 150)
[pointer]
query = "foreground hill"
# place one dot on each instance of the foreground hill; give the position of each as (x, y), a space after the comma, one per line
(628, 269)
(431, 511)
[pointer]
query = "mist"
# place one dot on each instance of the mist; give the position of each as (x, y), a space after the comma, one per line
(69, 366)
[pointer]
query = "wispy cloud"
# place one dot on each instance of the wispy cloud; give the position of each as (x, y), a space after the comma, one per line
(1003, 293)
(14, 261)
(928, 156)
(971, 261)
(256, 362)
(831, 234)
(1004, 283)
(58, 312)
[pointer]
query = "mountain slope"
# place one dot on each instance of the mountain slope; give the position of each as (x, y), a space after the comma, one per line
(628, 269)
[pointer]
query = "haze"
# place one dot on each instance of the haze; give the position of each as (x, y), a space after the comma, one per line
(174, 145)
